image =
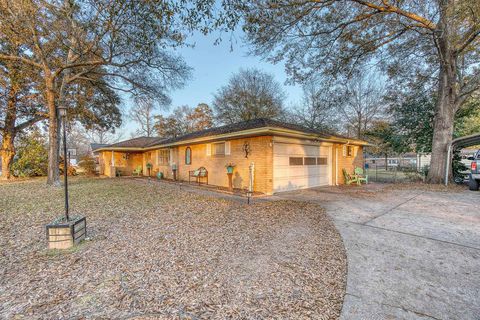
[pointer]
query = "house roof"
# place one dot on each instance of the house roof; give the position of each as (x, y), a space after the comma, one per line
(252, 127)
(95, 146)
(140, 142)
(241, 126)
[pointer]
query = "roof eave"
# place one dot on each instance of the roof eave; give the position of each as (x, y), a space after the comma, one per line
(245, 133)
(120, 149)
(314, 136)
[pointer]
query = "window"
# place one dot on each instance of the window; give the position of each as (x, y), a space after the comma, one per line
(188, 156)
(296, 161)
(163, 157)
(310, 161)
(322, 161)
(349, 151)
(219, 149)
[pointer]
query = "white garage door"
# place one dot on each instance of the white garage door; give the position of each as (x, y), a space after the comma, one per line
(297, 166)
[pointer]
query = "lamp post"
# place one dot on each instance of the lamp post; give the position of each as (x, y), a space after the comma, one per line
(62, 111)
(65, 234)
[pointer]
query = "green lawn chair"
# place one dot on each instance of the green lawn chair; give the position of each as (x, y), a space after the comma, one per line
(137, 171)
(348, 178)
(360, 176)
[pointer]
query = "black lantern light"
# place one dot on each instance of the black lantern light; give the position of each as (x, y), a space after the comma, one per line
(246, 148)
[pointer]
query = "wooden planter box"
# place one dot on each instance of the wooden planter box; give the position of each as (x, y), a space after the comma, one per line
(64, 235)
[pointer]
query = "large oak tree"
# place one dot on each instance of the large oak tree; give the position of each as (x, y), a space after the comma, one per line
(438, 40)
(120, 44)
(21, 105)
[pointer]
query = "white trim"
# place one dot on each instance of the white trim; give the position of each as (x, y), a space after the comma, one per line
(209, 149)
(330, 167)
(227, 148)
(336, 166)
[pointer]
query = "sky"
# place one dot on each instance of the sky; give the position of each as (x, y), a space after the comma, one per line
(213, 65)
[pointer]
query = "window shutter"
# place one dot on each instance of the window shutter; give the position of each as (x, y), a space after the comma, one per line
(209, 149)
(227, 148)
(344, 151)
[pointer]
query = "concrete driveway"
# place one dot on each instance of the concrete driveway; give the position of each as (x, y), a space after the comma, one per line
(411, 254)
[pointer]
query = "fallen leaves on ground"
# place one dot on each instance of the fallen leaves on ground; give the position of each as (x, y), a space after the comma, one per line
(158, 252)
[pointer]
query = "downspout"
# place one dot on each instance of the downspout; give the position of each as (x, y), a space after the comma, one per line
(447, 165)
(113, 172)
(336, 165)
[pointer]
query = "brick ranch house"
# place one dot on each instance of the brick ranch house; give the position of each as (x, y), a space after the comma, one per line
(285, 156)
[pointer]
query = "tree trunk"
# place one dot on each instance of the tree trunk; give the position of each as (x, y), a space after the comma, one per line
(7, 152)
(442, 133)
(445, 108)
(53, 171)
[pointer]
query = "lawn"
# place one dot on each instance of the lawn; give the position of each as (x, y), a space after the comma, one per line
(158, 252)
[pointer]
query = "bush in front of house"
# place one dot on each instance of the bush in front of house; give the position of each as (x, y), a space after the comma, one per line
(88, 165)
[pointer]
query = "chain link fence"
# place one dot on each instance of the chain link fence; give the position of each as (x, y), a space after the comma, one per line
(396, 170)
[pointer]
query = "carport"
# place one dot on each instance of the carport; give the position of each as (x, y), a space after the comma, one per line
(462, 142)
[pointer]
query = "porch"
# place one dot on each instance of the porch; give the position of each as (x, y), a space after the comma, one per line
(121, 163)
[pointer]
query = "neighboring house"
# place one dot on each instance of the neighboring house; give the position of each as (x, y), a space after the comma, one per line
(285, 156)
(72, 156)
(412, 160)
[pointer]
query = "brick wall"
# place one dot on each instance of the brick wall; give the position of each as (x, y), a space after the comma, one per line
(348, 163)
(261, 153)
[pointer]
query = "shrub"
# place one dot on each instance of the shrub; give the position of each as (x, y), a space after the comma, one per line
(32, 155)
(88, 165)
(412, 174)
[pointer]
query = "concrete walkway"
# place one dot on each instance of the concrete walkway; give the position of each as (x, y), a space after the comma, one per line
(411, 254)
